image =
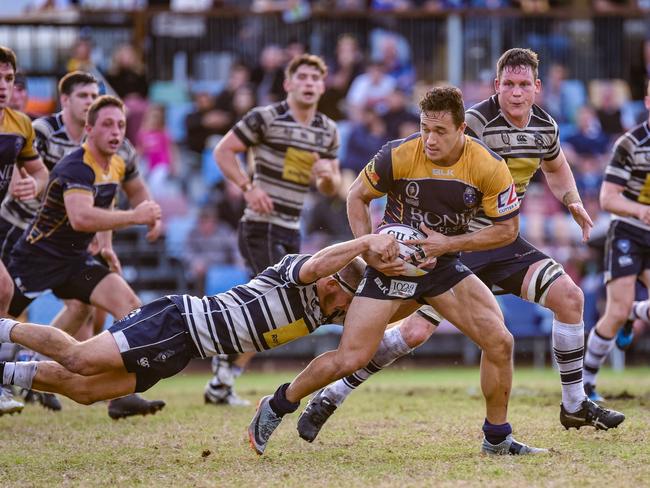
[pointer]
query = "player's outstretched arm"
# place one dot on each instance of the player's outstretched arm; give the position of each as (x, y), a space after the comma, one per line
(331, 259)
(613, 201)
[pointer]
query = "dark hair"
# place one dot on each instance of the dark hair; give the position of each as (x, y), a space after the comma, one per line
(100, 103)
(445, 99)
(74, 78)
(517, 56)
(8, 56)
(305, 59)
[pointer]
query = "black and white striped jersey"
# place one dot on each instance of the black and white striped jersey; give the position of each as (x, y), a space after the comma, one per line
(522, 149)
(53, 143)
(270, 310)
(283, 152)
(629, 167)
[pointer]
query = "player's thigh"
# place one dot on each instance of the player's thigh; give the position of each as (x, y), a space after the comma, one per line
(114, 295)
(472, 308)
(620, 296)
(6, 289)
(100, 353)
(365, 323)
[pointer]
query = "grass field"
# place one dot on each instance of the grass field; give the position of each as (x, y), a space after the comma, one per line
(405, 427)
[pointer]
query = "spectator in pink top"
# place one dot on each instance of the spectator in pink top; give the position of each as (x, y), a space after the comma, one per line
(156, 147)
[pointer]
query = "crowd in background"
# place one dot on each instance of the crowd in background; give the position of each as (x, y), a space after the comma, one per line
(372, 94)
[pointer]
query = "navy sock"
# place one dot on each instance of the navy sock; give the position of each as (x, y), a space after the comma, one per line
(495, 434)
(279, 403)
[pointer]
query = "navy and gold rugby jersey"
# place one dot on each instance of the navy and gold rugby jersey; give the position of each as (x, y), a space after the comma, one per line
(444, 198)
(522, 149)
(272, 309)
(283, 153)
(16, 145)
(629, 167)
(53, 143)
(50, 232)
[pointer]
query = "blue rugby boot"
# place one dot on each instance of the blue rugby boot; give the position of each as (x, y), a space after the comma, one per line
(625, 336)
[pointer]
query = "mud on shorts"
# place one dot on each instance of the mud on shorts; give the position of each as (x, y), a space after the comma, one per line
(154, 342)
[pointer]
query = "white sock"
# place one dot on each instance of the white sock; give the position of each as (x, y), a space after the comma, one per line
(598, 347)
(569, 350)
(640, 311)
(20, 374)
(391, 347)
(5, 329)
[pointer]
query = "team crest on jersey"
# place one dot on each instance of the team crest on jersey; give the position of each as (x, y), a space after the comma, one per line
(623, 245)
(469, 197)
(412, 191)
(505, 137)
(539, 140)
(507, 200)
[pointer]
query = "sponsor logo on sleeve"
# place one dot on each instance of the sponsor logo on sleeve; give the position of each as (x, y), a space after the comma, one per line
(371, 173)
(402, 289)
(507, 200)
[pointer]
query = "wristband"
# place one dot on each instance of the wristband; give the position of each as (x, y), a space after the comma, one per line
(246, 187)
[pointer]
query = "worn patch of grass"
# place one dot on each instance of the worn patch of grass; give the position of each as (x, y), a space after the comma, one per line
(406, 427)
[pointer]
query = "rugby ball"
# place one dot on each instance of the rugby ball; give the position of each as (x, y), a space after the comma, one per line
(411, 254)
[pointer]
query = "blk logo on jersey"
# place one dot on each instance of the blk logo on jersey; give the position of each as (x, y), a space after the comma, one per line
(507, 200)
(144, 362)
(521, 138)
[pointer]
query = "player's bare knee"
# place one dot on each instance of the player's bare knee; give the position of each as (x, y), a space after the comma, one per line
(416, 330)
(618, 312)
(500, 345)
(347, 364)
(79, 362)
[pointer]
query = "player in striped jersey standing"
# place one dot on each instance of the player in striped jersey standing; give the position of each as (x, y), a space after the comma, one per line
(293, 145)
(626, 194)
(527, 138)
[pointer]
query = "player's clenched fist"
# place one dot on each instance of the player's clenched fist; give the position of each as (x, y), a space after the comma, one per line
(147, 212)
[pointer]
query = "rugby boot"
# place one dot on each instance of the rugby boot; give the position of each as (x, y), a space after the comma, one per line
(316, 413)
(8, 404)
(509, 446)
(263, 425)
(591, 414)
(625, 336)
(133, 404)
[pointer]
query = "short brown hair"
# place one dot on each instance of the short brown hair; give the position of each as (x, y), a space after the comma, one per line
(100, 103)
(352, 273)
(308, 59)
(74, 78)
(516, 57)
(8, 56)
(445, 99)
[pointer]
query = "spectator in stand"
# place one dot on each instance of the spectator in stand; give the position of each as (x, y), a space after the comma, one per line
(369, 89)
(210, 243)
(155, 145)
(205, 121)
(127, 77)
(399, 119)
(347, 65)
(81, 59)
(560, 98)
(590, 138)
(390, 5)
(238, 77)
(230, 203)
(396, 64)
(365, 140)
(609, 112)
(268, 76)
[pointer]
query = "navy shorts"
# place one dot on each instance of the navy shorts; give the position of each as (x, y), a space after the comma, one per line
(627, 251)
(35, 274)
(262, 244)
(505, 266)
(448, 272)
(154, 342)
